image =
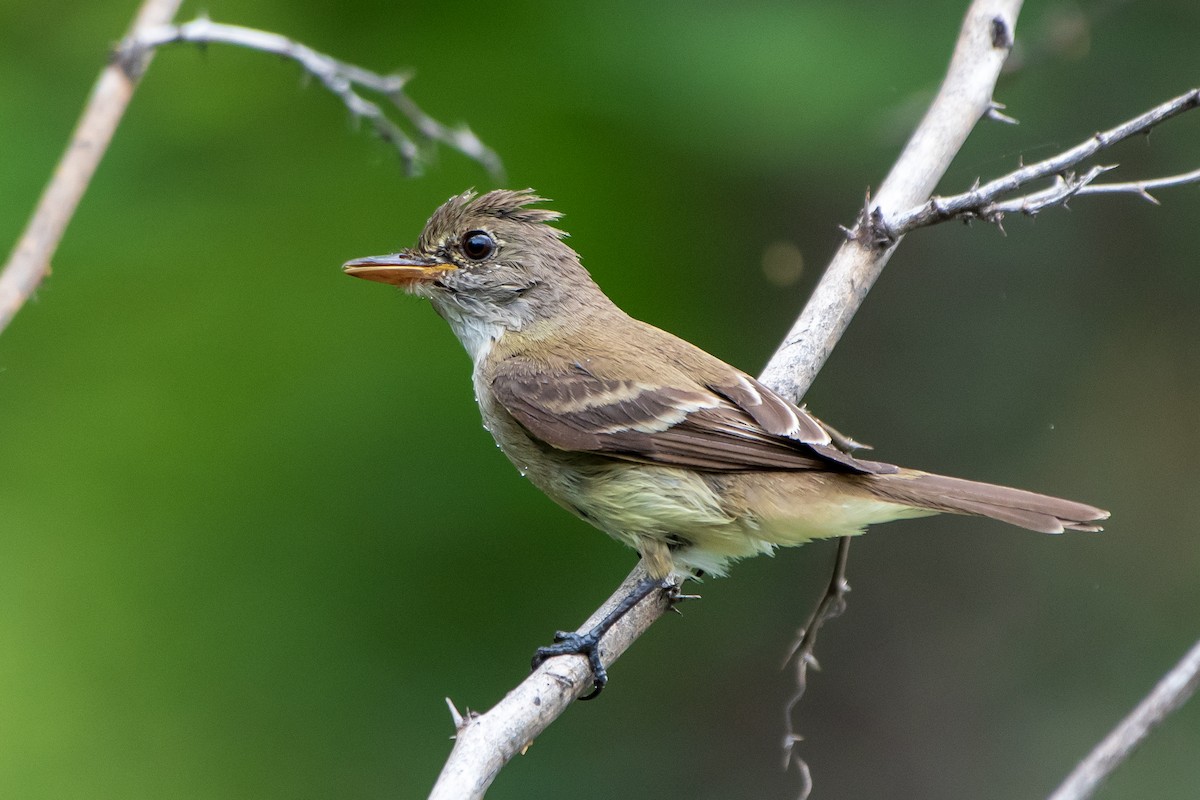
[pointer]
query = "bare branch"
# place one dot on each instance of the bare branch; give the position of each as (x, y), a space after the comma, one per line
(1065, 187)
(29, 261)
(339, 78)
(1175, 688)
(488, 742)
(984, 42)
(983, 201)
(965, 96)
(485, 743)
(1140, 188)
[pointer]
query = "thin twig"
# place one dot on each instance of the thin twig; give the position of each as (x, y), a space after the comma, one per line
(1035, 202)
(1175, 688)
(983, 201)
(831, 606)
(29, 261)
(339, 78)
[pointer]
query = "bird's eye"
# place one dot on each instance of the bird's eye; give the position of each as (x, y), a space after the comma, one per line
(478, 245)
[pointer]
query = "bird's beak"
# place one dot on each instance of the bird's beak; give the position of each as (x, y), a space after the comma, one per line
(398, 269)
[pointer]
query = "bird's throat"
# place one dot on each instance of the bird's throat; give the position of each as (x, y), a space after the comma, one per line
(476, 334)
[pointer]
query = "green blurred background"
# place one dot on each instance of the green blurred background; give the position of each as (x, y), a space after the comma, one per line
(251, 531)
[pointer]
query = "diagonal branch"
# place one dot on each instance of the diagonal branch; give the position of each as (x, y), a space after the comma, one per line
(29, 262)
(485, 742)
(964, 97)
(1175, 688)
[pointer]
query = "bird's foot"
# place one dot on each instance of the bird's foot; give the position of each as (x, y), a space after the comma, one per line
(588, 644)
(567, 643)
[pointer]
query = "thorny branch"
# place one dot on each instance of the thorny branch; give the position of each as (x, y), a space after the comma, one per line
(983, 201)
(1069, 185)
(339, 78)
(795, 364)
(485, 742)
(875, 229)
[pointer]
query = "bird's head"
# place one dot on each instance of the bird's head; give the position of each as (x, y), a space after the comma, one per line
(488, 259)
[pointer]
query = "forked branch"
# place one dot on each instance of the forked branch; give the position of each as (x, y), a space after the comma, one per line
(29, 262)
(985, 201)
(338, 77)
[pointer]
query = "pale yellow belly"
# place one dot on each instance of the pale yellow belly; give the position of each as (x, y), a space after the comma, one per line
(682, 521)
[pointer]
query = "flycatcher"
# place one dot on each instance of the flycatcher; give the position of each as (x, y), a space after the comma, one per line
(690, 461)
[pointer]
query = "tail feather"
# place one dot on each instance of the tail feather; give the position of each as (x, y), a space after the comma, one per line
(1037, 512)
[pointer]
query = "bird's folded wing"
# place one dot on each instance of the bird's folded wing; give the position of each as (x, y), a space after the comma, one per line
(734, 425)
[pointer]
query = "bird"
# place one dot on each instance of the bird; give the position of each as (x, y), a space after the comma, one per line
(690, 461)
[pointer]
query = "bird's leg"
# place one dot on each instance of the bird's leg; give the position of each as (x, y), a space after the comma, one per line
(588, 644)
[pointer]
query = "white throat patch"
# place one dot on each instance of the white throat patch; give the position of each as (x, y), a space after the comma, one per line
(476, 335)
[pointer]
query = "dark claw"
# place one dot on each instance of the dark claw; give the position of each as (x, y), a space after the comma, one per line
(569, 643)
(588, 644)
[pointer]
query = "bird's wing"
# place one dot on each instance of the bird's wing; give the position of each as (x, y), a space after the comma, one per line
(734, 424)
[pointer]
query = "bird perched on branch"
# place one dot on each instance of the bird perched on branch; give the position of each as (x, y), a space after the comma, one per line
(688, 460)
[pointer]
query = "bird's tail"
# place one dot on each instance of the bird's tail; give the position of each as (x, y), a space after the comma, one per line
(1037, 512)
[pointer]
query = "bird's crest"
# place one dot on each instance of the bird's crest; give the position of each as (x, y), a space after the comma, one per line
(470, 210)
